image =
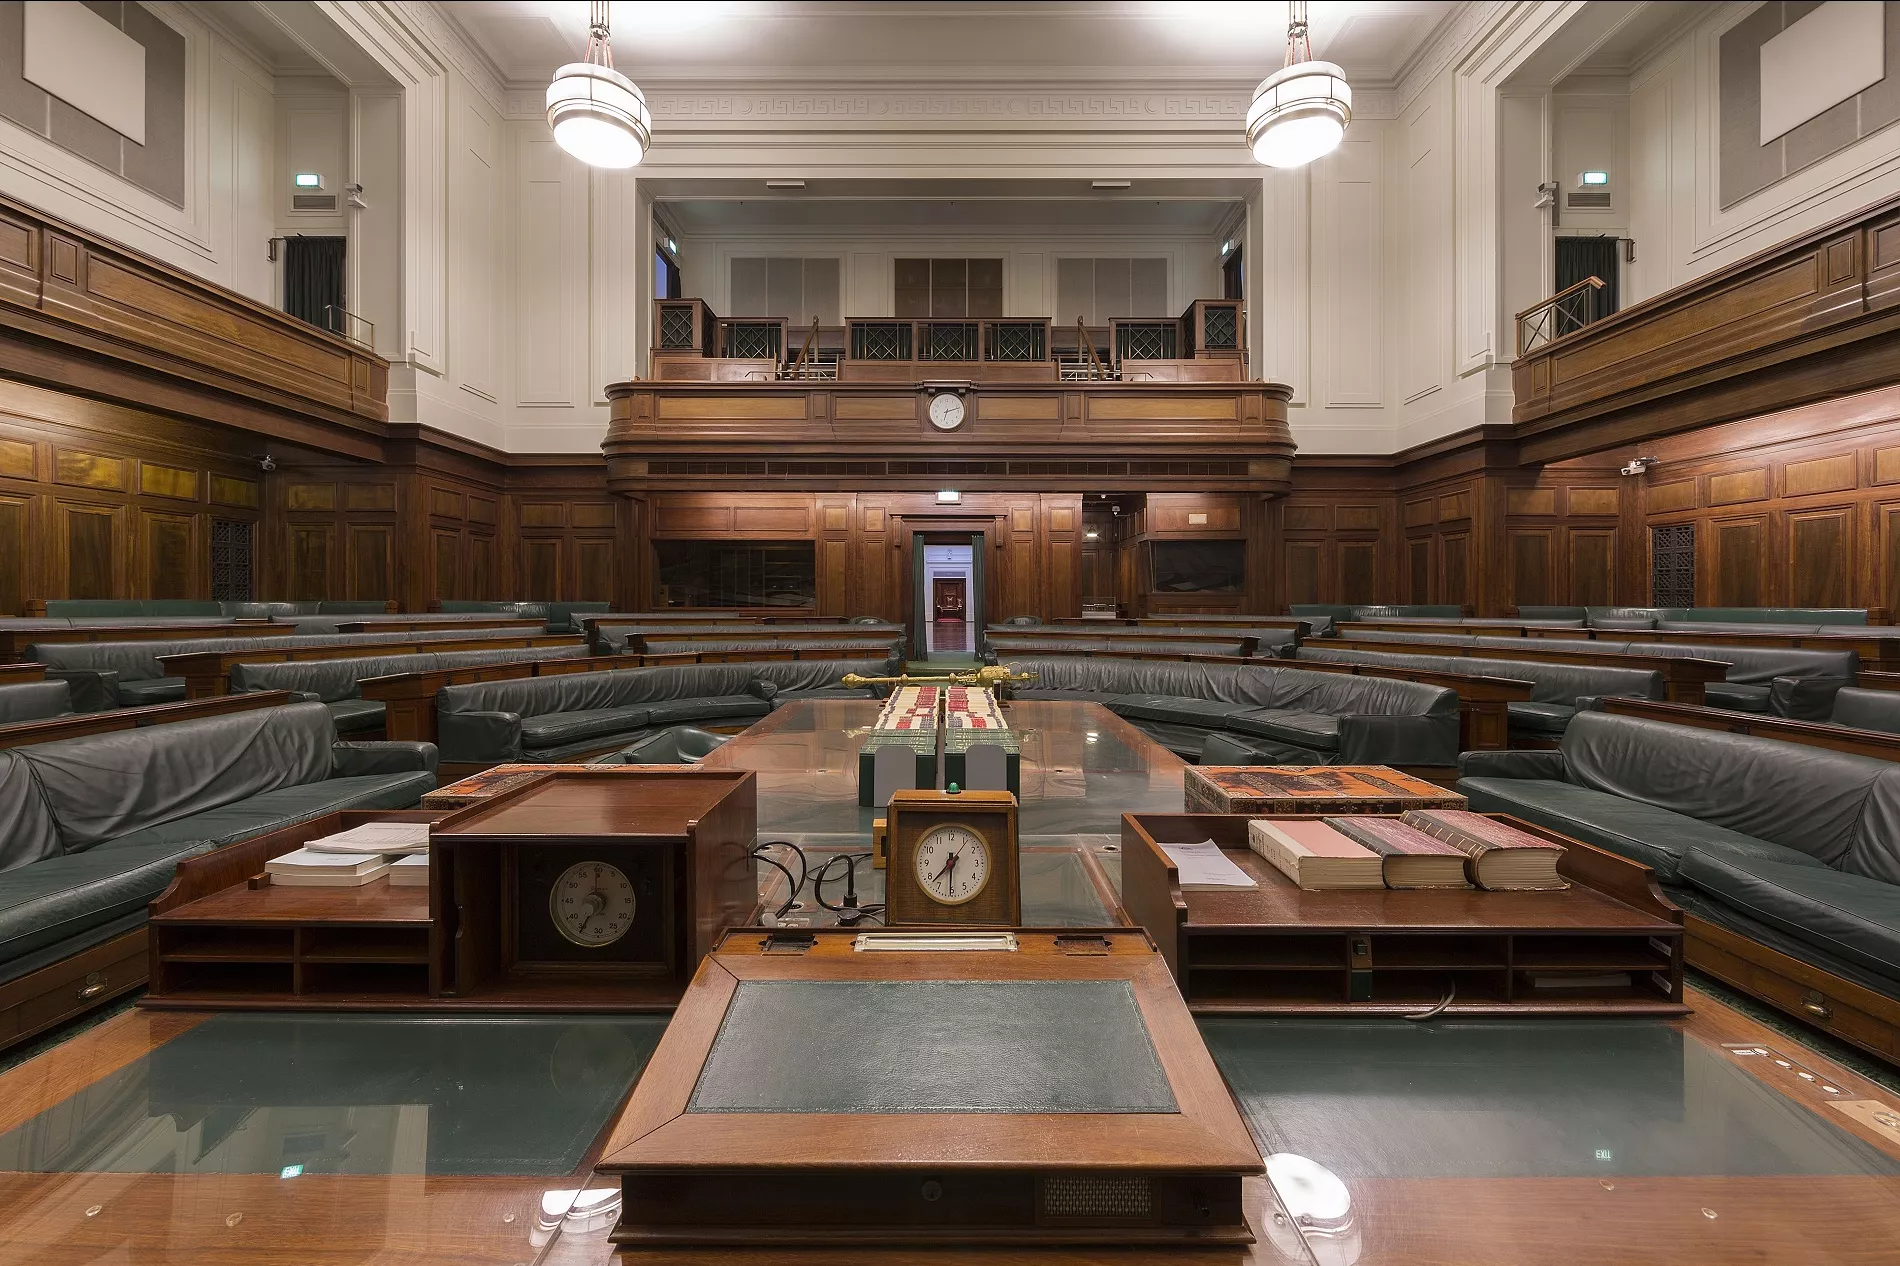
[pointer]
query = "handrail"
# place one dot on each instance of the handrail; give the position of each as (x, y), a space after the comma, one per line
(805, 351)
(1088, 345)
(1542, 319)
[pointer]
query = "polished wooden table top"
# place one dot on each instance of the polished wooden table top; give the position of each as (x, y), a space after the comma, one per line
(1702, 1140)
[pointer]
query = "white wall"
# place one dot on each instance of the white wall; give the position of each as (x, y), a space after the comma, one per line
(1681, 231)
(222, 231)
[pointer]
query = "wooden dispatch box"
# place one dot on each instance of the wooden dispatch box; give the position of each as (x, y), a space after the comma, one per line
(1059, 1094)
(601, 886)
(1297, 789)
(1608, 944)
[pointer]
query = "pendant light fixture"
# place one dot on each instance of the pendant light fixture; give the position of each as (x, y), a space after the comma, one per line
(597, 113)
(1300, 111)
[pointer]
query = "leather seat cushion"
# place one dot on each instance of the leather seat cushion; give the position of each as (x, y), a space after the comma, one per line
(353, 716)
(1540, 718)
(1867, 709)
(1737, 696)
(1070, 696)
(712, 708)
(1656, 837)
(1230, 748)
(784, 697)
(63, 897)
(1302, 729)
(135, 694)
(553, 729)
(1849, 915)
(283, 807)
(1210, 714)
(37, 700)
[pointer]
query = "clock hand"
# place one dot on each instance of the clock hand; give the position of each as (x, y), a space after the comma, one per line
(948, 863)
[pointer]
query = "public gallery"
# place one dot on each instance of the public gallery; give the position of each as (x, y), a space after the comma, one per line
(853, 633)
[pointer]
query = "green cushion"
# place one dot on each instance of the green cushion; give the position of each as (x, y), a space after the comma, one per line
(353, 716)
(1849, 915)
(1209, 714)
(286, 806)
(1655, 837)
(711, 708)
(1740, 698)
(1541, 718)
(62, 897)
(554, 729)
(1285, 725)
(135, 694)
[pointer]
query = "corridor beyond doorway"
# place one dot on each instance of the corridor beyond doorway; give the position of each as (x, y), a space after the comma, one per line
(951, 603)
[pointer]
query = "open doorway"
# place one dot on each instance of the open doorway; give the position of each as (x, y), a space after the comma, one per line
(950, 595)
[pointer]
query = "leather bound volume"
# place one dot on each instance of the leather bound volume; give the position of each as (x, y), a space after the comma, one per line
(1503, 858)
(1315, 856)
(1287, 789)
(1413, 859)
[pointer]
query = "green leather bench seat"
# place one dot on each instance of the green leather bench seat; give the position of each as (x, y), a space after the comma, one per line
(63, 897)
(1736, 696)
(201, 609)
(1547, 720)
(1804, 841)
(1654, 836)
(34, 701)
(708, 708)
(675, 745)
(357, 716)
(139, 694)
(1867, 709)
(1230, 747)
(531, 718)
(1849, 915)
(1379, 721)
(287, 806)
(1556, 688)
(1103, 697)
(663, 646)
(1001, 644)
(1209, 714)
(1307, 730)
(558, 729)
(95, 825)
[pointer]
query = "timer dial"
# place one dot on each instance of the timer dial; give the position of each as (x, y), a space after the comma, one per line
(953, 864)
(946, 411)
(592, 904)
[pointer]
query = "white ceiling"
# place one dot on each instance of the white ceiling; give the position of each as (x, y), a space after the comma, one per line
(1056, 41)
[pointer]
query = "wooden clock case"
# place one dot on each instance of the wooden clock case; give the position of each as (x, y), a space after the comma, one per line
(913, 814)
(683, 838)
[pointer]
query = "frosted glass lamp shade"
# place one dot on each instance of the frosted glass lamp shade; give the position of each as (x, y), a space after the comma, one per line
(1299, 113)
(598, 115)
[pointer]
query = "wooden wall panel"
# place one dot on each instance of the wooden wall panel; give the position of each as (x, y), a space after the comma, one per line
(1820, 543)
(1740, 559)
(1592, 568)
(371, 550)
(14, 515)
(312, 545)
(168, 554)
(91, 550)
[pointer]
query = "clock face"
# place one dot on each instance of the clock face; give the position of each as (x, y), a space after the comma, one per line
(592, 903)
(946, 411)
(953, 864)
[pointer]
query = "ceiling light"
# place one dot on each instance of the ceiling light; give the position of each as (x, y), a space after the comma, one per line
(1300, 111)
(597, 113)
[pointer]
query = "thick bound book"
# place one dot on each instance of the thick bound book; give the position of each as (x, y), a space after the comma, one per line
(410, 872)
(1315, 856)
(1502, 857)
(1413, 859)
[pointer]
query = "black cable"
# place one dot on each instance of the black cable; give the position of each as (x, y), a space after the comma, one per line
(798, 884)
(849, 915)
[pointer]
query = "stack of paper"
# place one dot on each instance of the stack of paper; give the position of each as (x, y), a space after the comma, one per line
(410, 871)
(308, 868)
(392, 838)
(1203, 866)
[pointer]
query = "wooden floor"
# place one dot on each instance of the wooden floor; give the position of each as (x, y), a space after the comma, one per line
(55, 1219)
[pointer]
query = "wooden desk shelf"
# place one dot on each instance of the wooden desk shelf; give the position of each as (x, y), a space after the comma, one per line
(1608, 944)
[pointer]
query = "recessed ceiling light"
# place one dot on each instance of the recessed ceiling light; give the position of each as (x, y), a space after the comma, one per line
(1110, 184)
(784, 184)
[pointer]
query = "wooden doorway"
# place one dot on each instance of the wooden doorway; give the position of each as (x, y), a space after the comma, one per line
(948, 595)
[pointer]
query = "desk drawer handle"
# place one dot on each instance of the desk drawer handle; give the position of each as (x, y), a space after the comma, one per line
(94, 986)
(1815, 1006)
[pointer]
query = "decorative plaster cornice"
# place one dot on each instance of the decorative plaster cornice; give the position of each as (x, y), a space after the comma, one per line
(432, 25)
(1466, 27)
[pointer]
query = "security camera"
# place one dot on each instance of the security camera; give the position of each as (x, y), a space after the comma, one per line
(1639, 466)
(353, 194)
(267, 463)
(1546, 195)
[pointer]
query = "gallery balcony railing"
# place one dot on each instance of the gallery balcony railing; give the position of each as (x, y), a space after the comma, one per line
(1566, 312)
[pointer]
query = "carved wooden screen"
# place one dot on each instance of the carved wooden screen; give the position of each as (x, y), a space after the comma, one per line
(1672, 565)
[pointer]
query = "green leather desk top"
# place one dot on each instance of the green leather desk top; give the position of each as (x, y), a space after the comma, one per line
(1016, 1046)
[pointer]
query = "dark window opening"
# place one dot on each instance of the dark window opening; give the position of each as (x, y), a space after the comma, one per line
(1199, 566)
(313, 281)
(736, 574)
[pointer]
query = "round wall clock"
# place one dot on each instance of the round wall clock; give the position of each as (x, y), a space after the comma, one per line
(953, 863)
(946, 411)
(592, 903)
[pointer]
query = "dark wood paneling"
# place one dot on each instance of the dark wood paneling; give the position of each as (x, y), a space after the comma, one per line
(310, 551)
(168, 555)
(94, 561)
(1454, 565)
(593, 570)
(1592, 568)
(1820, 543)
(371, 561)
(1358, 571)
(540, 566)
(1740, 549)
(14, 512)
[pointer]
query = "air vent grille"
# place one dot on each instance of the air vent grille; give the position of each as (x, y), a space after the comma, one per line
(313, 202)
(1094, 1197)
(1587, 200)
